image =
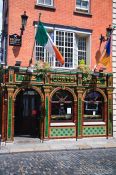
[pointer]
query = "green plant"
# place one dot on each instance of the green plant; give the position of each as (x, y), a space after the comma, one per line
(85, 70)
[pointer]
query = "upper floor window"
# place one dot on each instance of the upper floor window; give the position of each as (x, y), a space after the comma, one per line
(72, 47)
(45, 2)
(82, 6)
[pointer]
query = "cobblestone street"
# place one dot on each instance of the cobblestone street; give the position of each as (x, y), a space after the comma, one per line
(71, 162)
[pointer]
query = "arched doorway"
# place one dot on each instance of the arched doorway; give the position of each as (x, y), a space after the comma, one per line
(27, 113)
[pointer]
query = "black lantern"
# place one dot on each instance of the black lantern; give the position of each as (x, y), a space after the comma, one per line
(24, 18)
(109, 31)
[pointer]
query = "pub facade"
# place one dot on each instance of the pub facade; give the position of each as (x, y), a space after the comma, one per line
(39, 96)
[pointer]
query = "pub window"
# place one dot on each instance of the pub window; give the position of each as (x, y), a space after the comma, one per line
(62, 105)
(93, 107)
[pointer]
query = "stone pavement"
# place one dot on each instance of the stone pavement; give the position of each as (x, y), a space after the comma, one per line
(21, 144)
(65, 162)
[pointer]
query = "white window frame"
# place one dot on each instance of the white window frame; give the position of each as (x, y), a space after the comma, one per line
(64, 48)
(44, 3)
(82, 9)
(75, 49)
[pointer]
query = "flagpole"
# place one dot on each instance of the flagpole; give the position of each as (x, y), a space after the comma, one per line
(30, 61)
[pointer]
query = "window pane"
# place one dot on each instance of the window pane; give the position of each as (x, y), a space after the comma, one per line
(45, 2)
(81, 49)
(78, 3)
(41, 1)
(48, 2)
(82, 5)
(62, 106)
(64, 42)
(93, 106)
(85, 4)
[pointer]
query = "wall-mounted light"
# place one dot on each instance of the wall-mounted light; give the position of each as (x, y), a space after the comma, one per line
(18, 63)
(24, 18)
(109, 31)
(17, 66)
(108, 34)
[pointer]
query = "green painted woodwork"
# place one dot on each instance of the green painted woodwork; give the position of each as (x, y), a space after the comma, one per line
(94, 130)
(21, 77)
(62, 132)
(101, 81)
(110, 117)
(9, 131)
(39, 78)
(11, 78)
(98, 81)
(46, 116)
(56, 78)
(79, 79)
(110, 80)
(110, 122)
(79, 123)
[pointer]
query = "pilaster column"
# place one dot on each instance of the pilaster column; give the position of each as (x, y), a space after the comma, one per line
(110, 113)
(79, 113)
(47, 108)
(4, 114)
(10, 114)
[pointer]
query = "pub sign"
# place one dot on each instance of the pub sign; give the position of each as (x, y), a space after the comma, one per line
(15, 40)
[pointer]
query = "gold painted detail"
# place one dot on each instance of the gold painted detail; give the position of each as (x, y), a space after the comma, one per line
(63, 78)
(20, 78)
(99, 81)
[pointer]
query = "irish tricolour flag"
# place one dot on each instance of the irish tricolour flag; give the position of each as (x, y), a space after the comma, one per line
(43, 39)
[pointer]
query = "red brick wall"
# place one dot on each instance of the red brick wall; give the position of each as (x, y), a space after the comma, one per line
(101, 18)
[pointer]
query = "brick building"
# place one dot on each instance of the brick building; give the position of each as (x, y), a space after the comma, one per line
(63, 101)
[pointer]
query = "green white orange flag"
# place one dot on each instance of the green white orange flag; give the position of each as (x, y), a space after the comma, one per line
(43, 39)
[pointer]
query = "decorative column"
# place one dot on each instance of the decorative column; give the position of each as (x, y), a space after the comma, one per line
(110, 113)
(79, 113)
(42, 121)
(10, 114)
(46, 120)
(4, 114)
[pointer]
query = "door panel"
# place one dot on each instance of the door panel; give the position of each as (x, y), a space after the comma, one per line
(27, 113)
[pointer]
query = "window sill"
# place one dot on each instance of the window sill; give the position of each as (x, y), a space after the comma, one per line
(82, 14)
(94, 123)
(62, 124)
(47, 7)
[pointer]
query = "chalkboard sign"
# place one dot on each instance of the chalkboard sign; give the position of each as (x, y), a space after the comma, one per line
(15, 40)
